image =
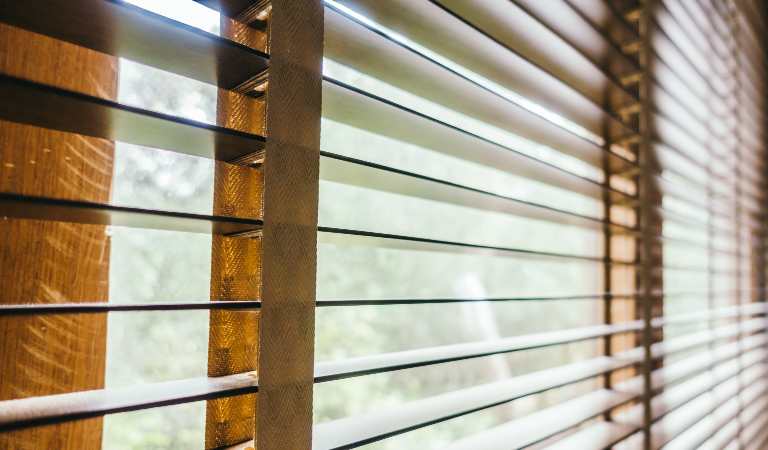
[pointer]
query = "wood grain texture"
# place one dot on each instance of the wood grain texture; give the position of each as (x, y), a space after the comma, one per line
(289, 247)
(47, 262)
(235, 263)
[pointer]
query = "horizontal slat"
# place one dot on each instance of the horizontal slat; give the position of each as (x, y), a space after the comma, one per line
(663, 72)
(598, 436)
(551, 421)
(691, 28)
(682, 36)
(683, 418)
(49, 409)
(545, 298)
(79, 308)
(676, 137)
(670, 108)
(666, 50)
(721, 412)
(718, 313)
(678, 371)
(681, 371)
(669, 49)
(685, 193)
(342, 236)
(661, 378)
(699, 245)
(546, 46)
(726, 432)
(673, 132)
(601, 434)
(692, 222)
(673, 398)
(56, 408)
(364, 174)
(693, 53)
(385, 362)
(692, 340)
(755, 432)
(675, 87)
(89, 308)
(581, 30)
(371, 427)
(416, 301)
(360, 109)
(668, 132)
(352, 44)
(758, 441)
(41, 208)
(86, 307)
(544, 423)
(698, 179)
(91, 116)
(92, 307)
(467, 50)
(120, 29)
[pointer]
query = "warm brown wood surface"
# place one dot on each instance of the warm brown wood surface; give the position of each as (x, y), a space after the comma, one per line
(45, 262)
(236, 263)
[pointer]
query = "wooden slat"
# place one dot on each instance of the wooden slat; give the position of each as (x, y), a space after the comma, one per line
(75, 112)
(434, 28)
(538, 426)
(383, 423)
(380, 424)
(543, 44)
(588, 26)
(717, 416)
(50, 209)
(354, 45)
(683, 418)
(121, 29)
(559, 418)
(91, 308)
(749, 416)
(371, 364)
(345, 104)
(345, 236)
(597, 436)
(72, 406)
(359, 173)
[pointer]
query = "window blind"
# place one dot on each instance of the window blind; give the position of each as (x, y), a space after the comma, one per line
(459, 132)
(483, 225)
(94, 144)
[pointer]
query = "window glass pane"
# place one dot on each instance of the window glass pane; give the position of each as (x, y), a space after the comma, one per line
(160, 266)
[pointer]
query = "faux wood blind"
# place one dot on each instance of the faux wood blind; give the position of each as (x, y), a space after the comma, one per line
(631, 135)
(60, 120)
(483, 225)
